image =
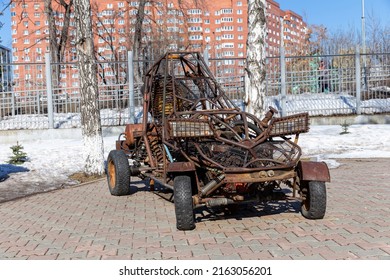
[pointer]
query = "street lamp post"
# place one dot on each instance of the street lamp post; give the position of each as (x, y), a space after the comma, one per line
(364, 48)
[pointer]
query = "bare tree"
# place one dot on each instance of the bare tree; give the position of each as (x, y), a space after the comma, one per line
(58, 37)
(255, 62)
(90, 114)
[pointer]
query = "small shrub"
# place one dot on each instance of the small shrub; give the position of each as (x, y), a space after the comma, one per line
(19, 156)
(344, 127)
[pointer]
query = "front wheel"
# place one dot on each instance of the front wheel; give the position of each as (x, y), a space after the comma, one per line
(314, 199)
(118, 173)
(184, 207)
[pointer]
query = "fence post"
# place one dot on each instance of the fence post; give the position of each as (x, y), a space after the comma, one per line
(206, 56)
(283, 82)
(130, 73)
(49, 91)
(13, 103)
(39, 103)
(358, 81)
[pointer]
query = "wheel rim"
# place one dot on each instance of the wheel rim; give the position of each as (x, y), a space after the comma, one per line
(111, 174)
(306, 201)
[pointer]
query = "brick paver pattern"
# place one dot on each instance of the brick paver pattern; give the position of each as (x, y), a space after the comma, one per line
(86, 222)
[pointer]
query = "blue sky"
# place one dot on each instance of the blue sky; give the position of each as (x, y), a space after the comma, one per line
(334, 14)
(338, 14)
(5, 32)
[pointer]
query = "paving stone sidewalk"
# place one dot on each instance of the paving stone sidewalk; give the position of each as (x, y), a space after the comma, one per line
(85, 222)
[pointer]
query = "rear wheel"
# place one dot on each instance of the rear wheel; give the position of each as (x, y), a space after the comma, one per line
(314, 199)
(118, 173)
(184, 209)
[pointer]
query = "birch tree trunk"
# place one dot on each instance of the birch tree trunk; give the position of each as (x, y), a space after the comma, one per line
(137, 43)
(255, 62)
(93, 152)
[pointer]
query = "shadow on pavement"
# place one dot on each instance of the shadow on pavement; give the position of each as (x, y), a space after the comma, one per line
(284, 204)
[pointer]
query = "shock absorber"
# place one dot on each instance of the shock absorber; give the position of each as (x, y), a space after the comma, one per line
(156, 148)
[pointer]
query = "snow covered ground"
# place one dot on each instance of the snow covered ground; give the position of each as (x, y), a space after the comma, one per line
(52, 161)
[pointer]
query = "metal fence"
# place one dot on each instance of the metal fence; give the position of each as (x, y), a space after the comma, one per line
(348, 84)
(46, 95)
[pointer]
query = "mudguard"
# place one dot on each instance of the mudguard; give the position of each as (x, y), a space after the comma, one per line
(313, 171)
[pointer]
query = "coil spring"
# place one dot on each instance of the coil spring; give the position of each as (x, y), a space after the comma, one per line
(158, 92)
(156, 149)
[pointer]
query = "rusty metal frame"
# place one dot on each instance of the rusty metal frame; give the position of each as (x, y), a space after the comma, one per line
(187, 115)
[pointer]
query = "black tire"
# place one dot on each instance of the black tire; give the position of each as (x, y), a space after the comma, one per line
(184, 208)
(314, 202)
(118, 173)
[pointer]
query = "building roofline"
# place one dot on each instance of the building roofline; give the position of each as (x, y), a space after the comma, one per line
(293, 13)
(4, 47)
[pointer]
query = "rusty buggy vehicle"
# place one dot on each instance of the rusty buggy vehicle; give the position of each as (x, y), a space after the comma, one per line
(195, 141)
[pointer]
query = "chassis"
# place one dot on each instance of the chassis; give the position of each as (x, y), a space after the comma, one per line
(195, 141)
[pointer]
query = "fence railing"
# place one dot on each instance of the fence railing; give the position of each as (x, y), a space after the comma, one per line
(46, 95)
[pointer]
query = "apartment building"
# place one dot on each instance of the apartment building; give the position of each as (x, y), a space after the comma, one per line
(285, 28)
(5, 69)
(220, 26)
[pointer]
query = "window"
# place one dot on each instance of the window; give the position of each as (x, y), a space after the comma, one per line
(109, 6)
(26, 41)
(227, 19)
(25, 32)
(228, 53)
(239, 12)
(37, 23)
(194, 20)
(227, 28)
(121, 5)
(195, 37)
(239, 3)
(228, 45)
(195, 29)
(226, 11)
(227, 36)
(194, 12)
